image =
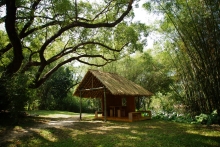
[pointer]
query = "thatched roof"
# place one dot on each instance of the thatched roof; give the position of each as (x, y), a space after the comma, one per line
(114, 84)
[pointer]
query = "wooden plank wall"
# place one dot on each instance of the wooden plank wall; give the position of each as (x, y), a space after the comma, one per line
(112, 100)
(130, 104)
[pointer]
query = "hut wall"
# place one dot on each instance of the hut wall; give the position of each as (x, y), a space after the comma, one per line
(130, 104)
(111, 100)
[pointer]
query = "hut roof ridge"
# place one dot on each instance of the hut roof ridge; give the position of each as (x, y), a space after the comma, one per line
(114, 83)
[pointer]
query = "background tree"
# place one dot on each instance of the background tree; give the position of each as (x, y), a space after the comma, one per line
(53, 92)
(194, 36)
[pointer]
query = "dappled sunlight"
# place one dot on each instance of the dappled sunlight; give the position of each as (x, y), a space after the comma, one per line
(134, 131)
(211, 138)
(19, 129)
(62, 123)
(55, 114)
(113, 127)
(46, 134)
(104, 129)
(13, 133)
(133, 138)
(73, 132)
(204, 133)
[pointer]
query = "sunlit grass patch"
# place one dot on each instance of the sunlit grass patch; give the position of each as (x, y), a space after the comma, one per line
(48, 134)
(52, 114)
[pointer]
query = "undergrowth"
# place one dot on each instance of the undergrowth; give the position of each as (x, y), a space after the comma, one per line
(207, 119)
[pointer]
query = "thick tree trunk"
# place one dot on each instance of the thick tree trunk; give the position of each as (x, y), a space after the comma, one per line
(10, 21)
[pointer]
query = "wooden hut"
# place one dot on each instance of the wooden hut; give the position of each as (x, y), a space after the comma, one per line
(116, 93)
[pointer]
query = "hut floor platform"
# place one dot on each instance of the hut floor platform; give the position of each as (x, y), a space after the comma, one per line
(124, 119)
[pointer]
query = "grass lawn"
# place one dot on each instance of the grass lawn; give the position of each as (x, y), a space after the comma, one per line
(38, 132)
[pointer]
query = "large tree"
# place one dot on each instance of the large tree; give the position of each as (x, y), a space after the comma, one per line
(40, 36)
(41, 32)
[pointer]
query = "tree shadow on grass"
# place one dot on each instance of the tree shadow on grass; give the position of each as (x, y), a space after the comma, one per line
(119, 134)
(165, 133)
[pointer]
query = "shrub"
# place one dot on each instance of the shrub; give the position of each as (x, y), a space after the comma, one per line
(208, 119)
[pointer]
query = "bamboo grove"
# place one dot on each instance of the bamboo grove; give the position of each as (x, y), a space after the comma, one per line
(195, 49)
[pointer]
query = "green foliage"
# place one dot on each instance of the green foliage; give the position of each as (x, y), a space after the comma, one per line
(205, 119)
(55, 89)
(4, 39)
(147, 6)
(72, 104)
(208, 119)
(62, 6)
(56, 93)
(191, 37)
(15, 95)
(18, 92)
(61, 31)
(163, 103)
(144, 69)
(175, 117)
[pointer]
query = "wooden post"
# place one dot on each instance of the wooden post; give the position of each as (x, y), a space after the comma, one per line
(105, 113)
(80, 116)
(138, 103)
(90, 90)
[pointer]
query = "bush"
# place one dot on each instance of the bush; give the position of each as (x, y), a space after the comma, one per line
(208, 119)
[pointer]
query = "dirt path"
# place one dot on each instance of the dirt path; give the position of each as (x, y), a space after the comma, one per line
(11, 134)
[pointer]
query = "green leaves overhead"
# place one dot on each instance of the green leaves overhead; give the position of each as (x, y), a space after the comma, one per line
(62, 6)
(134, 34)
(62, 31)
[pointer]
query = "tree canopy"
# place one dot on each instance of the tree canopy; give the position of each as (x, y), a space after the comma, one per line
(40, 32)
(40, 36)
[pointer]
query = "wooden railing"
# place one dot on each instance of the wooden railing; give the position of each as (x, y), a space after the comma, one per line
(138, 115)
(148, 113)
(97, 113)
